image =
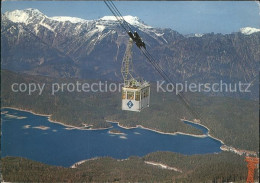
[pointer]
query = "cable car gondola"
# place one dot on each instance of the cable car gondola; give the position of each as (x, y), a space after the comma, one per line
(135, 94)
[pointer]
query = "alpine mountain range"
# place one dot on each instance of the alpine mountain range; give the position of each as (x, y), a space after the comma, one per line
(34, 43)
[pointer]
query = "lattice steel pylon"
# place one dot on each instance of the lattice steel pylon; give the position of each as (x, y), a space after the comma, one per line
(252, 163)
(127, 64)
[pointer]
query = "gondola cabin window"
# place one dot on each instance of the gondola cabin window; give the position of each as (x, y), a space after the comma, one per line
(137, 95)
(130, 95)
(124, 95)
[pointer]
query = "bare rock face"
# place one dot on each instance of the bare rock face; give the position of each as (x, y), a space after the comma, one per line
(72, 47)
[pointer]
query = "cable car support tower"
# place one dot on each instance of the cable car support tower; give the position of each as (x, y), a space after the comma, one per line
(252, 163)
(127, 64)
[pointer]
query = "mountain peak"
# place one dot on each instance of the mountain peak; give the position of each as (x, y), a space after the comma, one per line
(22, 16)
(133, 20)
(249, 30)
(33, 10)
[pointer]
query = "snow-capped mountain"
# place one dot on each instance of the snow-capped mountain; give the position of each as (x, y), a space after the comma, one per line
(24, 16)
(76, 38)
(28, 15)
(72, 47)
(36, 19)
(249, 30)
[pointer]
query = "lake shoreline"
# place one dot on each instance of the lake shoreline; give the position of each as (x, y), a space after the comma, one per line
(71, 127)
(75, 165)
(118, 124)
(157, 131)
(206, 128)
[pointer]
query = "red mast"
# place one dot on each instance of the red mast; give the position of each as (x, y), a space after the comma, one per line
(252, 163)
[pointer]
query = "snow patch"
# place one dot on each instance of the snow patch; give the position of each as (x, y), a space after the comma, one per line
(100, 27)
(194, 35)
(249, 30)
(198, 35)
(36, 30)
(47, 26)
(17, 16)
(70, 19)
(158, 34)
(108, 18)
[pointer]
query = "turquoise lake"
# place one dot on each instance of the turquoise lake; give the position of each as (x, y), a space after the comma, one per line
(57, 145)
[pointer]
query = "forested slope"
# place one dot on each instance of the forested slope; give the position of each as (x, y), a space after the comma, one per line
(235, 121)
(223, 167)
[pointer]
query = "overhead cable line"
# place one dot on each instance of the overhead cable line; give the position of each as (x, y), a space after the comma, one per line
(169, 80)
(120, 15)
(116, 16)
(149, 57)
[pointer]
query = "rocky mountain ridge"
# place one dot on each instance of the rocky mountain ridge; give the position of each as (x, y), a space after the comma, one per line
(72, 47)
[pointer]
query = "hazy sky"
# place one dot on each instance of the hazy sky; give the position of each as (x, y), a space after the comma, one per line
(184, 16)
